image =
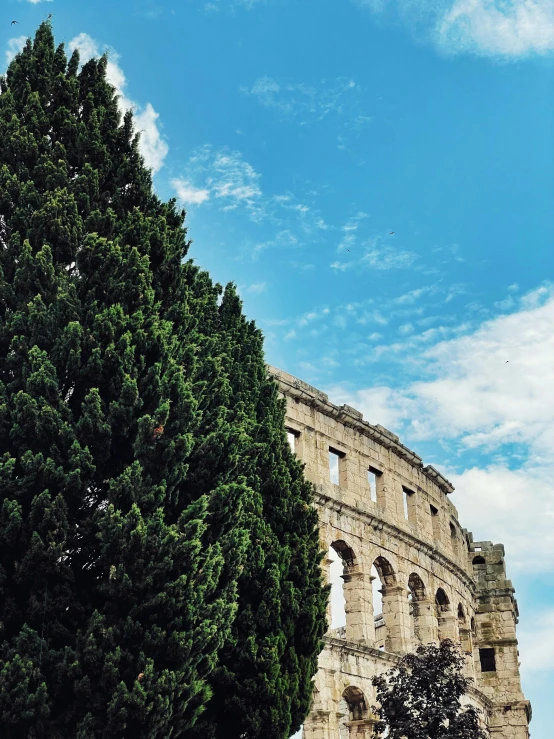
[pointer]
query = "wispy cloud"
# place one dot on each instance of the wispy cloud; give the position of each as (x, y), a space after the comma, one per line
(372, 253)
(15, 45)
(486, 390)
(36, 2)
(256, 288)
(188, 194)
(153, 147)
(224, 179)
(226, 176)
(504, 28)
(215, 6)
(309, 103)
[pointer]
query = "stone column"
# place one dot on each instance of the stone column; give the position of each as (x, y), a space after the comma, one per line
(425, 621)
(348, 472)
(467, 646)
(318, 726)
(326, 564)
(396, 613)
(358, 606)
(448, 626)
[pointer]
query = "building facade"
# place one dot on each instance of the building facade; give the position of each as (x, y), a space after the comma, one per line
(383, 512)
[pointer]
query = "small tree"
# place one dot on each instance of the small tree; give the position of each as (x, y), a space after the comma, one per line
(420, 697)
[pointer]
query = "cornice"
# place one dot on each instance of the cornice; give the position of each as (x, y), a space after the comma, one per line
(371, 519)
(359, 648)
(311, 396)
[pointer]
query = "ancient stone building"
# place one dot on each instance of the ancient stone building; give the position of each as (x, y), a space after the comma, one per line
(388, 513)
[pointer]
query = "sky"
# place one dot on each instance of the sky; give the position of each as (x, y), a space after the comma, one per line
(376, 176)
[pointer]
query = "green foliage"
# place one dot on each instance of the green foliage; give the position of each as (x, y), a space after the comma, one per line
(159, 559)
(420, 697)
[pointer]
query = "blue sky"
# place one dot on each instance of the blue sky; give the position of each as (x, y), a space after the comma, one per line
(299, 135)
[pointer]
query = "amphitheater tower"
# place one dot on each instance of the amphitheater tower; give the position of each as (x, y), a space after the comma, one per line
(389, 520)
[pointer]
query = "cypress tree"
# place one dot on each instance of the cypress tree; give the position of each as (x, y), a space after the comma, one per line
(262, 684)
(158, 549)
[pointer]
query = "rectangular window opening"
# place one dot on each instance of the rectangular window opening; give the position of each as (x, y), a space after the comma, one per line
(292, 437)
(334, 462)
(372, 476)
(488, 660)
(409, 501)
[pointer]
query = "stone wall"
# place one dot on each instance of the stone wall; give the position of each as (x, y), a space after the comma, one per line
(388, 510)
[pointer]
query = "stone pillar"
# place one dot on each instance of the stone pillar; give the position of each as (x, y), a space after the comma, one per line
(348, 472)
(396, 613)
(467, 646)
(321, 470)
(448, 626)
(425, 621)
(326, 564)
(358, 606)
(306, 451)
(318, 726)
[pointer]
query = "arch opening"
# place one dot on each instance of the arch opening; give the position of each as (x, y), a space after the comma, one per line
(352, 707)
(345, 603)
(441, 601)
(416, 593)
(383, 576)
(461, 615)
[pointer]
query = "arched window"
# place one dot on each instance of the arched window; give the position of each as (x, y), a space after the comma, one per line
(479, 560)
(416, 587)
(353, 707)
(343, 561)
(416, 593)
(461, 616)
(441, 601)
(336, 597)
(383, 577)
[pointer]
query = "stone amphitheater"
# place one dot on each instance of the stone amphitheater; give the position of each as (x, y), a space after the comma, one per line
(387, 513)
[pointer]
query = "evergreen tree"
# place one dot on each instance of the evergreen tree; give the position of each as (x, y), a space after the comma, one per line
(262, 685)
(420, 697)
(153, 523)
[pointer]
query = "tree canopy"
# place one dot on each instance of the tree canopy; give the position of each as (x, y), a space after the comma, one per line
(420, 698)
(159, 553)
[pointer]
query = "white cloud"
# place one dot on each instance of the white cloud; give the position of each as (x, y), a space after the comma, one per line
(188, 194)
(15, 45)
(232, 184)
(387, 257)
(225, 175)
(504, 28)
(489, 392)
(36, 2)
(257, 288)
(153, 147)
(308, 103)
(498, 27)
(234, 179)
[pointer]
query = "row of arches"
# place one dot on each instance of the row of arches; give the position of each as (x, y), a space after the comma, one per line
(385, 613)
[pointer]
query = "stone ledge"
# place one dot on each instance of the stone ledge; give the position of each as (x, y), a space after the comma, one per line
(295, 388)
(359, 648)
(329, 503)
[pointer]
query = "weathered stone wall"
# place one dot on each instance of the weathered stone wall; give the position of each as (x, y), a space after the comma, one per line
(435, 581)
